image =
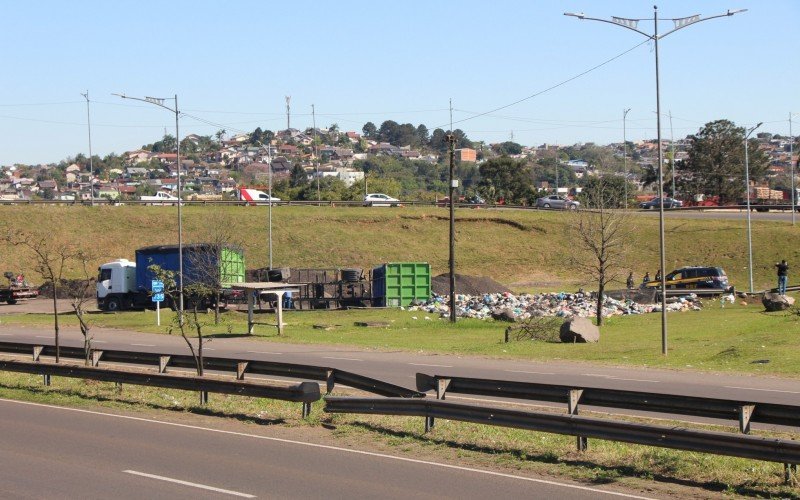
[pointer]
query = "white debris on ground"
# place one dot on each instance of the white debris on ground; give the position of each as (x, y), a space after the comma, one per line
(561, 304)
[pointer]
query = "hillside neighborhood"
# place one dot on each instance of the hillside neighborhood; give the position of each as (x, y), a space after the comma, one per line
(213, 167)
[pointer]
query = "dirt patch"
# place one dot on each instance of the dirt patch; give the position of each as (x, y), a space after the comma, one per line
(467, 285)
(68, 289)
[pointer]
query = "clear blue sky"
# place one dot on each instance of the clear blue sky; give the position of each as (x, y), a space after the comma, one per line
(233, 62)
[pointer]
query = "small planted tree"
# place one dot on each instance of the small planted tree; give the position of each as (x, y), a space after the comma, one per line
(51, 257)
(601, 236)
(81, 296)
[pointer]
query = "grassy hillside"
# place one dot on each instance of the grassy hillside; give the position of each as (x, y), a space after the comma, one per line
(528, 250)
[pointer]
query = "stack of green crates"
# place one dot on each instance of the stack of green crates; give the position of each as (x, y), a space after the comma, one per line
(396, 284)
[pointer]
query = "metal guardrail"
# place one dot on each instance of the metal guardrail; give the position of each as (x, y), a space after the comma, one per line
(305, 392)
(329, 375)
(719, 443)
(742, 410)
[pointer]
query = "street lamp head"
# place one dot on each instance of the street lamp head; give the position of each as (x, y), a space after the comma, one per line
(119, 95)
(737, 11)
(579, 15)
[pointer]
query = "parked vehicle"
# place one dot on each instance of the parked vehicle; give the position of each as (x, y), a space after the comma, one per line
(763, 198)
(17, 289)
(123, 285)
(256, 197)
(656, 202)
(695, 278)
(557, 201)
(380, 200)
(161, 198)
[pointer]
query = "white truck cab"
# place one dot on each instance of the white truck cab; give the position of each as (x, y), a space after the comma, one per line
(115, 281)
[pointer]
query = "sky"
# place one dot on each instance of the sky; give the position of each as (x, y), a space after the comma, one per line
(514, 70)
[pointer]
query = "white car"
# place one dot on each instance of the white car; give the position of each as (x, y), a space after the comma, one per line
(256, 197)
(557, 201)
(380, 200)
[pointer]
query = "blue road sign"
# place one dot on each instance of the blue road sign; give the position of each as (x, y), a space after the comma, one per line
(157, 286)
(158, 297)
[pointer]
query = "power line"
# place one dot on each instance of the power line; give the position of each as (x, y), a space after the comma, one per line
(548, 89)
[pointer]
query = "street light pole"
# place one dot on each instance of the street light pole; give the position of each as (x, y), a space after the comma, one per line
(451, 139)
(632, 24)
(791, 168)
(158, 101)
(747, 197)
(91, 165)
(625, 154)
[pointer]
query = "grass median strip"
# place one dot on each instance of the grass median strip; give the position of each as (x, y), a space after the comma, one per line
(655, 470)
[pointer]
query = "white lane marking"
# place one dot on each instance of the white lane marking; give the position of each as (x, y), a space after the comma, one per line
(531, 373)
(99, 342)
(208, 349)
(263, 352)
(342, 359)
(6, 334)
(145, 345)
(483, 400)
(437, 366)
(187, 483)
(44, 336)
(332, 448)
(765, 390)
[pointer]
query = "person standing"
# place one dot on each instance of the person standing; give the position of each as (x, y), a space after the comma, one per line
(783, 276)
(646, 278)
(629, 282)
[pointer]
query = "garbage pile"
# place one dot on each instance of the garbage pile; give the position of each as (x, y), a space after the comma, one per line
(565, 305)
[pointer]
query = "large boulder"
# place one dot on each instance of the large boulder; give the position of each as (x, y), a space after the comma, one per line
(504, 315)
(579, 330)
(776, 302)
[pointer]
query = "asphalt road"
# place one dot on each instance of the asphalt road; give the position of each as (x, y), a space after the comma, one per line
(400, 367)
(52, 452)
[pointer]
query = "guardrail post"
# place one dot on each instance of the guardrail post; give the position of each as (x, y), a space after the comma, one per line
(96, 355)
(330, 381)
(203, 398)
(306, 411)
(37, 353)
(441, 390)
(790, 474)
(574, 398)
(745, 413)
(241, 367)
(163, 361)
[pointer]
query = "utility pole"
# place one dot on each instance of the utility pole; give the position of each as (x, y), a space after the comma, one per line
(625, 153)
(288, 100)
(314, 149)
(791, 169)
(672, 153)
(91, 165)
(453, 183)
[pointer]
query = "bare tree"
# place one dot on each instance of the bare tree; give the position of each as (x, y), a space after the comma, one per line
(601, 237)
(81, 296)
(194, 320)
(52, 257)
(212, 265)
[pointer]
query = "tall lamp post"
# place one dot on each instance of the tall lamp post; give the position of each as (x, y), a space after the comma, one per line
(269, 230)
(747, 197)
(158, 101)
(625, 153)
(632, 24)
(91, 165)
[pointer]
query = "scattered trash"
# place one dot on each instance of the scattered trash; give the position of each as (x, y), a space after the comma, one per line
(561, 304)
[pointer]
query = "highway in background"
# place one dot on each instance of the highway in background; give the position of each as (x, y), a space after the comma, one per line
(52, 452)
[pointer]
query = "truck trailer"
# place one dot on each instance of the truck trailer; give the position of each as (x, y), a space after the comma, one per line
(124, 285)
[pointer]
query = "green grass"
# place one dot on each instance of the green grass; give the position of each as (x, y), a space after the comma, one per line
(734, 339)
(526, 249)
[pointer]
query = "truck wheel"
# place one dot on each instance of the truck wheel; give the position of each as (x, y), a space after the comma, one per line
(11, 302)
(112, 304)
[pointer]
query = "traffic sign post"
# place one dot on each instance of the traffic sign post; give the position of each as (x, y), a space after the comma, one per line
(157, 287)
